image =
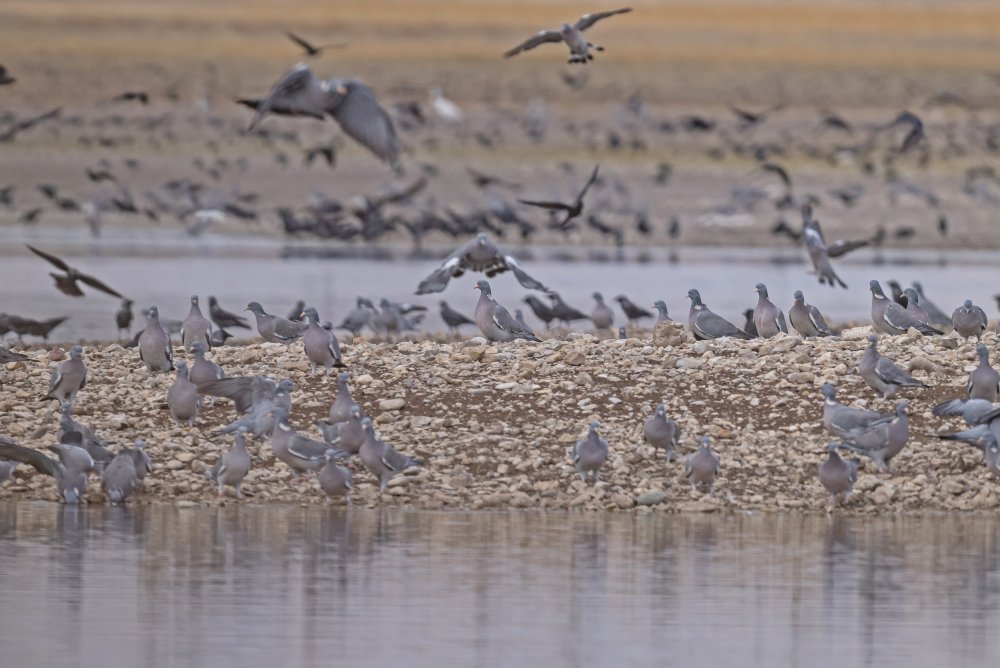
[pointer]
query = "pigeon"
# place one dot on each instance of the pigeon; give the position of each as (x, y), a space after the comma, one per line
(889, 317)
(301, 454)
(806, 319)
(882, 441)
(254, 398)
(381, 460)
(203, 370)
(119, 478)
(359, 318)
(973, 411)
(195, 327)
(222, 318)
(143, 464)
(351, 103)
(590, 453)
(706, 325)
(984, 381)
(123, 317)
(273, 328)
(71, 481)
(767, 318)
(633, 311)
(914, 136)
(74, 433)
(340, 408)
(298, 312)
(701, 467)
(479, 255)
(838, 475)
(840, 420)
(69, 378)
(661, 312)
(662, 432)
(333, 479)
(572, 35)
(563, 311)
(310, 50)
(67, 283)
(393, 318)
(602, 316)
(6, 470)
(541, 310)
(969, 320)
(572, 210)
(913, 306)
(819, 253)
(154, 344)
(321, 346)
(219, 338)
(494, 321)
(453, 318)
(938, 317)
(347, 435)
(182, 397)
(881, 373)
(232, 466)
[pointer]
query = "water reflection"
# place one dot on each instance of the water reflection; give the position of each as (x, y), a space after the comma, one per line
(245, 585)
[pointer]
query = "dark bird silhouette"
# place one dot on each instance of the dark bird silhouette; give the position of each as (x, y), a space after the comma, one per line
(309, 49)
(325, 151)
(19, 126)
(67, 284)
(572, 210)
(481, 180)
(140, 96)
(5, 77)
(916, 133)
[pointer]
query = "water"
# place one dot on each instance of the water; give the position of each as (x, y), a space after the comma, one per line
(254, 585)
(166, 270)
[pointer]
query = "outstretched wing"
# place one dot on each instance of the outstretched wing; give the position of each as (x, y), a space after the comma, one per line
(559, 206)
(537, 39)
(51, 258)
(590, 182)
(588, 20)
(18, 453)
(94, 283)
(521, 275)
(290, 93)
(306, 46)
(364, 120)
(845, 246)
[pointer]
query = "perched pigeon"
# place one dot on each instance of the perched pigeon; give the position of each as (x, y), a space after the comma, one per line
(232, 466)
(196, 327)
(881, 373)
(602, 316)
(340, 408)
(837, 474)
(767, 318)
(381, 460)
(119, 478)
(182, 397)
(69, 378)
(662, 432)
(701, 467)
(706, 325)
(321, 346)
(806, 319)
(883, 441)
(840, 420)
(938, 317)
(889, 317)
(273, 328)
(984, 381)
(347, 435)
(661, 312)
(334, 480)
(969, 320)
(154, 344)
(494, 321)
(203, 370)
(303, 455)
(590, 453)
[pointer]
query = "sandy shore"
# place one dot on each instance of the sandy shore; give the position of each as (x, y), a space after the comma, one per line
(494, 425)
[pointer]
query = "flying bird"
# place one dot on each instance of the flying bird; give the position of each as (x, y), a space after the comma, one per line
(479, 254)
(351, 103)
(572, 210)
(579, 47)
(311, 50)
(67, 284)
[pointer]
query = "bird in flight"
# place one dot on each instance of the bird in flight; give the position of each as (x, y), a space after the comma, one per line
(311, 50)
(67, 284)
(572, 210)
(579, 47)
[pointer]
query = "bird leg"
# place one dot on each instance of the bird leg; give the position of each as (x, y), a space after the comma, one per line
(595, 47)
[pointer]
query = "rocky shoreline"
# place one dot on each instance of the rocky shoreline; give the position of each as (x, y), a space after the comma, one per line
(494, 425)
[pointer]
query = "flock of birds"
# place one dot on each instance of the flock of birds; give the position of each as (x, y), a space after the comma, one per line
(263, 405)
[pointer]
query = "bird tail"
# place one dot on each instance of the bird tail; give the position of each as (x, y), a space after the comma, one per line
(927, 330)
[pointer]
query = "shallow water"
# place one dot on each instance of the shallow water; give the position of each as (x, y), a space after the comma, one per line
(251, 585)
(165, 271)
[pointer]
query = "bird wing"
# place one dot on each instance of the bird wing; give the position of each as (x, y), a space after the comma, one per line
(588, 20)
(240, 389)
(51, 258)
(817, 319)
(590, 182)
(280, 109)
(286, 329)
(307, 449)
(897, 317)
(559, 206)
(886, 370)
(539, 38)
(780, 171)
(309, 48)
(521, 275)
(94, 283)
(845, 246)
(288, 93)
(364, 120)
(40, 461)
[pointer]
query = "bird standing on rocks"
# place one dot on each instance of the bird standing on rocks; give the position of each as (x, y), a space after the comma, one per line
(195, 327)
(273, 328)
(881, 373)
(70, 377)
(335, 480)
(661, 312)
(203, 370)
(702, 466)
(380, 458)
(984, 380)
(494, 321)
(119, 478)
(340, 408)
(841, 420)
(232, 466)
(806, 319)
(590, 453)
(71, 480)
(706, 325)
(969, 320)
(453, 318)
(767, 318)
(303, 455)
(154, 344)
(633, 311)
(662, 432)
(838, 475)
(123, 318)
(222, 318)
(321, 346)
(883, 441)
(602, 316)
(889, 317)
(182, 397)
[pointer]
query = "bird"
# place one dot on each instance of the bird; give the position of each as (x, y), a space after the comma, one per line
(453, 318)
(11, 356)
(984, 381)
(6, 470)
(914, 136)
(123, 317)
(273, 328)
(632, 311)
(71, 480)
(321, 346)
(969, 320)
(494, 321)
(889, 317)
(572, 210)
(297, 312)
(143, 464)
(303, 455)
(937, 316)
(590, 453)
(707, 325)
(203, 370)
(219, 337)
(195, 327)
(806, 318)
(232, 466)
(26, 326)
(701, 467)
(767, 318)
(602, 316)
(913, 306)
(820, 253)
(309, 49)
(563, 311)
(882, 441)
(5, 77)
(838, 475)
(840, 420)
(154, 344)
(541, 310)
(340, 407)
(479, 255)
(359, 318)
(222, 318)
(254, 398)
(661, 312)
(69, 378)
(119, 478)
(572, 35)
(182, 397)
(445, 108)
(661, 432)
(335, 480)
(881, 373)
(67, 283)
(348, 434)
(380, 458)
(351, 103)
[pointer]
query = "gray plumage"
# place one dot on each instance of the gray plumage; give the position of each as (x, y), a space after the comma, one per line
(889, 317)
(143, 464)
(806, 319)
(479, 255)
(69, 378)
(6, 470)
(232, 466)
(913, 306)
(393, 318)
(154, 344)
(333, 479)
(321, 346)
(359, 318)
(881, 373)
(937, 316)
(838, 475)
(767, 318)
(972, 410)
(119, 478)
(661, 312)
(840, 420)
(579, 47)
(590, 453)
(494, 321)
(969, 320)
(224, 319)
(453, 318)
(195, 327)
(883, 441)
(301, 454)
(819, 252)
(347, 435)
(661, 432)
(273, 328)
(340, 407)
(602, 316)
(706, 325)
(203, 370)
(182, 397)
(254, 398)
(380, 458)
(71, 482)
(701, 467)
(984, 381)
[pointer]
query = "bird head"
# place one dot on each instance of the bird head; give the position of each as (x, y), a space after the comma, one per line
(761, 290)
(967, 304)
(194, 299)
(661, 409)
(255, 307)
(873, 340)
(901, 407)
(799, 297)
(483, 286)
(876, 289)
(344, 375)
(76, 352)
(356, 412)
(694, 296)
(829, 392)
